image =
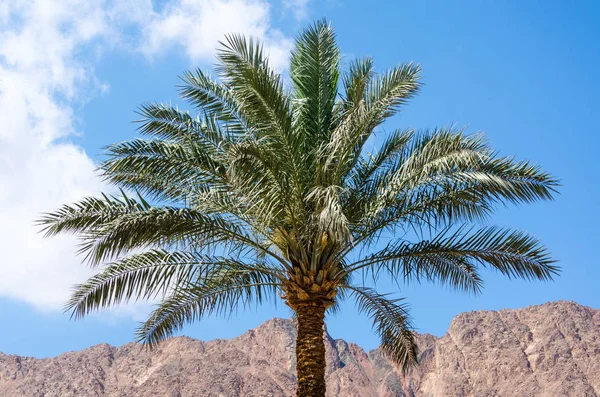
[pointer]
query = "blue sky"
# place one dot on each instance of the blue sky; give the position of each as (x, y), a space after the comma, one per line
(526, 73)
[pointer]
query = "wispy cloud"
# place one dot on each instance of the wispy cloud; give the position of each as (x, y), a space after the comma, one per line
(298, 7)
(198, 26)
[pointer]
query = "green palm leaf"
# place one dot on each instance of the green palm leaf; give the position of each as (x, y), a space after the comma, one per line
(221, 293)
(452, 257)
(391, 321)
(150, 275)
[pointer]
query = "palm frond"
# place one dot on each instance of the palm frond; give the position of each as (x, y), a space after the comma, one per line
(382, 99)
(164, 170)
(388, 92)
(111, 227)
(365, 181)
(88, 213)
(257, 89)
(356, 82)
(171, 124)
(215, 99)
(453, 257)
(314, 71)
(444, 176)
(152, 274)
(256, 173)
(222, 293)
(391, 321)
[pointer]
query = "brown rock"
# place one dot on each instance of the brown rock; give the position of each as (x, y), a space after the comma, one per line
(547, 350)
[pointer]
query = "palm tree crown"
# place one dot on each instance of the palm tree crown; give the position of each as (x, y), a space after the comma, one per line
(269, 192)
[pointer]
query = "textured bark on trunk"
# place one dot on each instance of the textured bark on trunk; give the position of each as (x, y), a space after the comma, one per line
(310, 351)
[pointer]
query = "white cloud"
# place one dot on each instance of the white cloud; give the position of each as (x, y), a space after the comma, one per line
(43, 77)
(39, 82)
(198, 25)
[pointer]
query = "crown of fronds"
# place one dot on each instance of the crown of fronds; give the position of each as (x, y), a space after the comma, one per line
(267, 186)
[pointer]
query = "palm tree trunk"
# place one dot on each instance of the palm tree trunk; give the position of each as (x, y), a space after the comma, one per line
(310, 351)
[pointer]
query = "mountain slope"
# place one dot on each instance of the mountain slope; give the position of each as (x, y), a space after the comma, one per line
(547, 350)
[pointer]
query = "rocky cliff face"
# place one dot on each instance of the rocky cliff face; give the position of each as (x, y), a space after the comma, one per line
(547, 350)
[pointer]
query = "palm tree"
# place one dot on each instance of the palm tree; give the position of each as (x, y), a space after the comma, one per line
(270, 193)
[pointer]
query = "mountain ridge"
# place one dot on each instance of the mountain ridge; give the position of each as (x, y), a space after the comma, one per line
(551, 349)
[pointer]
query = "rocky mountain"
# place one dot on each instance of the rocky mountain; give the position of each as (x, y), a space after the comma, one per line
(548, 350)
